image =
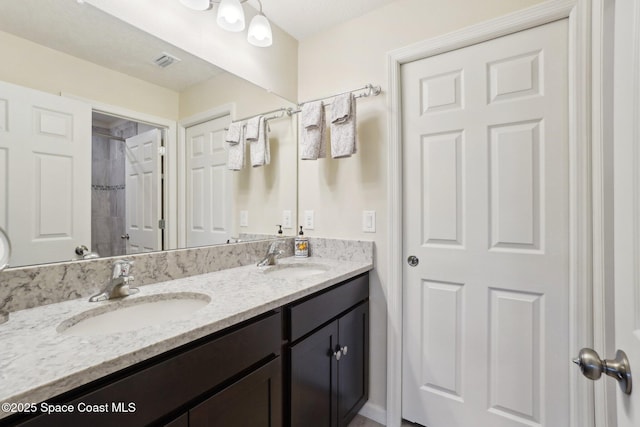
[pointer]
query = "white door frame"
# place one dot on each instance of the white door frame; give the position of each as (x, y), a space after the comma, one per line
(169, 128)
(183, 124)
(583, 150)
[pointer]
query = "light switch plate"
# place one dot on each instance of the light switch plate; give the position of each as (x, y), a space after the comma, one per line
(369, 221)
(286, 219)
(308, 222)
(244, 218)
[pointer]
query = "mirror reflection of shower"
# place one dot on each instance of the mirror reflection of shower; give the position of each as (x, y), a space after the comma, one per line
(124, 188)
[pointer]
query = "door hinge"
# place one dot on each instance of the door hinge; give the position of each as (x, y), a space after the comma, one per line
(161, 224)
(162, 151)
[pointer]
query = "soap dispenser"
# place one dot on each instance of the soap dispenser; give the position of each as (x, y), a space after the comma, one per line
(301, 245)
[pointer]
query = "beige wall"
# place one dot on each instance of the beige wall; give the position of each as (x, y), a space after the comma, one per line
(264, 191)
(29, 64)
(349, 56)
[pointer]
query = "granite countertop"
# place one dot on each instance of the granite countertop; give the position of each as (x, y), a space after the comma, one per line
(38, 363)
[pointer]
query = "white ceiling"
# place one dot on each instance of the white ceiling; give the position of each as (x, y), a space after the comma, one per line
(304, 18)
(88, 33)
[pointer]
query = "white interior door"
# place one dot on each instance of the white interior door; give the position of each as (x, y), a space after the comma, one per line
(627, 201)
(486, 212)
(143, 192)
(45, 174)
(209, 194)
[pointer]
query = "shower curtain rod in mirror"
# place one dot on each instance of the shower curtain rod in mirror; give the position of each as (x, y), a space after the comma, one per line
(117, 138)
(282, 112)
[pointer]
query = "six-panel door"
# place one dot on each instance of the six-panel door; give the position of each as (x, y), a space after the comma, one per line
(486, 211)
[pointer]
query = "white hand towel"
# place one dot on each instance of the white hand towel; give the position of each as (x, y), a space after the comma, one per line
(312, 131)
(235, 146)
(234, 133)
(343, 126)
(260, 152)
(252, 130)
(341, 108)
(312, 114)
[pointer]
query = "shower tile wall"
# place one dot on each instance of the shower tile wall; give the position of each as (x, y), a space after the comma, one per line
(108, 210)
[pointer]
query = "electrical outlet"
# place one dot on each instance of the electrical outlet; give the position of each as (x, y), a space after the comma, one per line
(244, 218)
(308, 220)
(369, 221)
(286, 219)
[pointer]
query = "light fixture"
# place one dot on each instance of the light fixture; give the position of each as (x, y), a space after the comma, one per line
(197, 4)
(260, 30)
(231, 18)
(231, 15)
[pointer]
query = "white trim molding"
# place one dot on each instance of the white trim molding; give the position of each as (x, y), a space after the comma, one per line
(374, 412)
(602, 59)
(579, 15)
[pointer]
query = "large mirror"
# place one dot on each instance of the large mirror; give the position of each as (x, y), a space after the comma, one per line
(125, 156)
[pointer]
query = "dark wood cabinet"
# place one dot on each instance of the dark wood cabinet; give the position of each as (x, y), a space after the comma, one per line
(329, 365)
(181, 421)
(240, 377)
(314, 379)
(253, 401)
(165, 388)
(353, 366)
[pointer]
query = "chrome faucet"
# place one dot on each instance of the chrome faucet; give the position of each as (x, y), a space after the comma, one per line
(272, 254)
(118, 286)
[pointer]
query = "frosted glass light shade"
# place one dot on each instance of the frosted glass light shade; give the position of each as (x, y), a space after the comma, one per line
(196, 4)
(230, 15)
(260, 32)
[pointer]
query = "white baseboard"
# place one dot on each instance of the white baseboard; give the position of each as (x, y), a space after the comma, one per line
(374, 412)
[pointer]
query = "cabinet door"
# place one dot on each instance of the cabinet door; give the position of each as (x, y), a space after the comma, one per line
(253, 401)
(314, 379)
(353, 367)
(181, 421)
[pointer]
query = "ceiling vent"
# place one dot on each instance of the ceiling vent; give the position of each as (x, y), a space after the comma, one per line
(164, 60)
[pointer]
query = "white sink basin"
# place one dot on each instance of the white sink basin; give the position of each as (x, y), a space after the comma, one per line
(129, 315)
(295, 271)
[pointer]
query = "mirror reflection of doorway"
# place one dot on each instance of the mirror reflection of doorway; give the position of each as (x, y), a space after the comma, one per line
(126, 186)
(209, 194)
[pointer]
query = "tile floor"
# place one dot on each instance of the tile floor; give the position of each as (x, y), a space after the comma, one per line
(360, 421)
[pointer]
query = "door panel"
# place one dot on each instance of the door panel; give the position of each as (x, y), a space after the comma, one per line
(45, 174)
(353, 372)
(209, 198)
(143, 187)
(486, 211)
(314, 379)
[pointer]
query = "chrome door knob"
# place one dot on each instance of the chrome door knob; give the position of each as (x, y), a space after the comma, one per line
(413, 260)
(125, 237)
(81, 250)
(592, 367)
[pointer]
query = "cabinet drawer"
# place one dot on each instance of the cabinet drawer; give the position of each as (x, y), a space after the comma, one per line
(313, 312)
(254, 400)
(164, 387)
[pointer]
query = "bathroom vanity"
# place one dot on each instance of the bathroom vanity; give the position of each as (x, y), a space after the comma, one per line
(300, 358)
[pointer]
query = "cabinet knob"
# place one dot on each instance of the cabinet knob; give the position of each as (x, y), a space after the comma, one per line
(337, 354)
(344, 350)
